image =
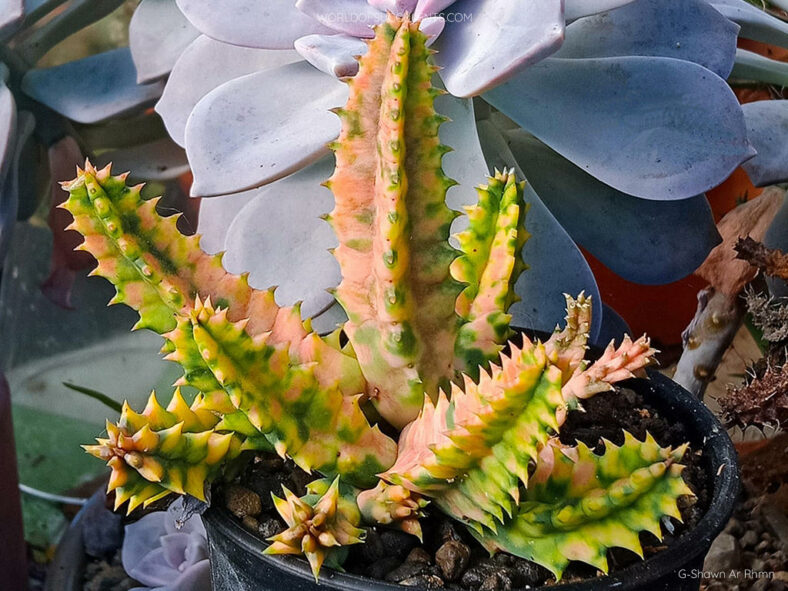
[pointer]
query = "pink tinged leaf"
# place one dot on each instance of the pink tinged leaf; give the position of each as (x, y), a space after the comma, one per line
(486, 42)
(154, 569)
(269, 24)
(398, 7)
(194, 578)
(574, 9)
(432, 26)
(142, 536)
(158, 34)
(203, 66)
(292, 252)
(251, 131)
(427, 8)
(174, 546)
(333, 54)
(92, 89)
(352, 17)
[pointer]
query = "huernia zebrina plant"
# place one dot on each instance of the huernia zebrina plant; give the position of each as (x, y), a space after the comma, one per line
(427, 345)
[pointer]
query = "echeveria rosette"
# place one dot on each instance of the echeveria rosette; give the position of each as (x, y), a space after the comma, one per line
(165, 555)
(669, 54)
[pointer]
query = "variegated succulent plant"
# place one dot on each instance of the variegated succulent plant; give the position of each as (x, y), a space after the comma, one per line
(427, 345)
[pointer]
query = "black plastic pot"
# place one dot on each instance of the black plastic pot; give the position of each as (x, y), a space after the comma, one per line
(238, 564)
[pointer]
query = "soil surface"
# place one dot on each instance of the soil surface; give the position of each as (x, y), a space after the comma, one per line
(107, 575)
(449, 557)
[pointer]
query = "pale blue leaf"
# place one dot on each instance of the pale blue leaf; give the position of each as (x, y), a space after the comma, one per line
(77, 15)
(92, 89)
(574, 9)
(205, 65)
(158, 34)
(162, 160)
(398, 7)
(427, 8)
(643, 241)
(556, 265)
(9, 187)
(684, 29)
(265, 24)
(767, 129)
(777, 237)
(486, 42)
(654, 127)
(330, 320)
(8, 124)
(351, 17)
(465, 163)
(332, 54)
(613, 328)
(216, 216)
(432, 27)
(280, 238)
(254, 130)
(11, 14)
(755, 23)
(755, 67)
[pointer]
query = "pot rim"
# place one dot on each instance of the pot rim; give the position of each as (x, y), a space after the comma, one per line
(706, 433)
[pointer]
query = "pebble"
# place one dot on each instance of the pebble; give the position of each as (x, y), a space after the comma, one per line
(424, 582)
(529, 573)
(723, 555)
(242, 502)
(419, 555)
(250, 523)
(749, 539)
(452, 558)
(448, 532)
(269, 527)
(406, 570)
(760, 585)
(498, 581)
(380, 568)
(381, 543)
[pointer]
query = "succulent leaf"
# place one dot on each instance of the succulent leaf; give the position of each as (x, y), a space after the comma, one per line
(394, 505)
(490, 264)
(163, 275)
(159, 272)
(471, 453)
(318, 427)
(615, 365)
(579, 504)
(318, 524)
(159, 451)
(567, 347)
(393, 224)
